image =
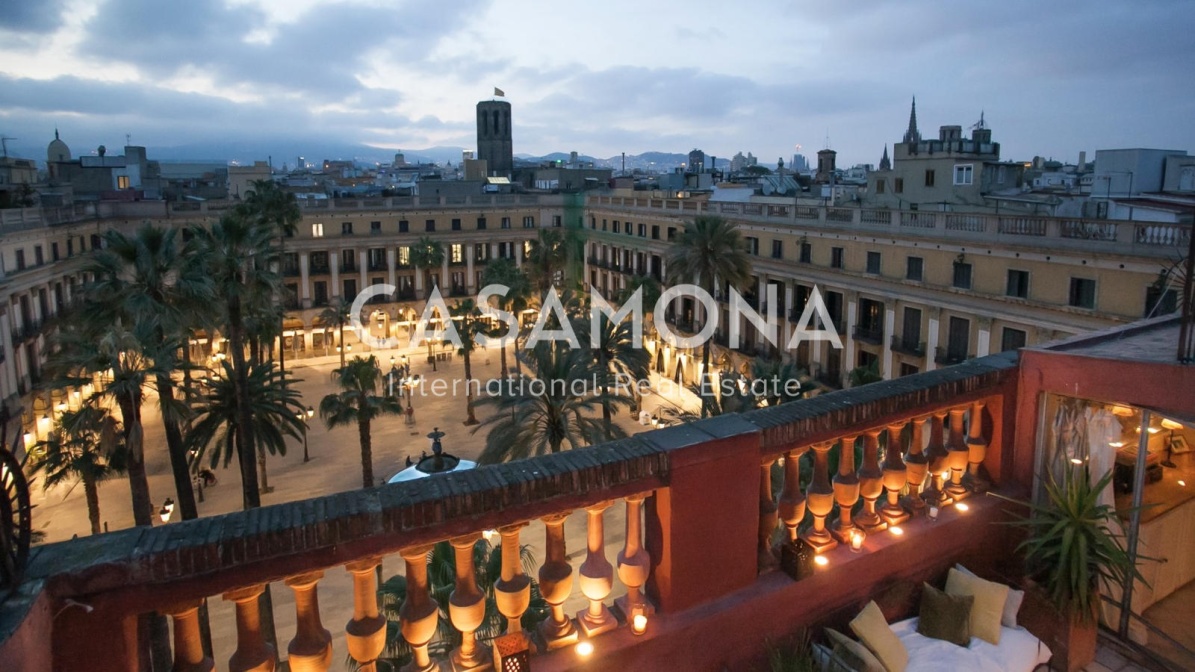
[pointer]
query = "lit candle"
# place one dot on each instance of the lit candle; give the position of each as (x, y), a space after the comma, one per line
(821, 561)
(584, 649)
(639, 624)
(933, 512)
(962, 507)
(896, 530)
(857, 541)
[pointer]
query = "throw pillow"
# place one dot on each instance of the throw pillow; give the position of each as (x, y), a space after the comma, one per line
(945, 617)
(988, 607)
(853, 653)
(872, 629)
(1012, 605)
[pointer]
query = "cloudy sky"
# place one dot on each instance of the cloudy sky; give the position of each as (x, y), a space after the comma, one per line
(1053, 78)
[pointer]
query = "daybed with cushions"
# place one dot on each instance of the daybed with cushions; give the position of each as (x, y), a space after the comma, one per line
(969, 626)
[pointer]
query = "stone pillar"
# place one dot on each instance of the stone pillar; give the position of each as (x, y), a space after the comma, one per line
(931, 339)
(767, 515)
(916, 465)
(391, 266)
(886, 342)
(846, 489)
(895, 476)
(445, 278)
(305, 279)
(820, 500)
(470, 280)
(848, 356)
(634, 562)
(419, 273)
(334, 269)
(252, 653)
(518, 245)
(311, 649)
(188, 646)
(418, 614)
(512, 592)
(787, 326)
(365, 634)
(938, 464)
(792, 501)
(596, 575)
(983, 344)
(555, 584)
(871, 484)
(466, 606)
(958, 452)
(977, 449)
(363, 270)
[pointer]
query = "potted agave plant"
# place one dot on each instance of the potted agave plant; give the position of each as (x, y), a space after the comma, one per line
(1073, 548)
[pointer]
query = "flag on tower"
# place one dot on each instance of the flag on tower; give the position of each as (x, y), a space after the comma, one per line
(499, 92)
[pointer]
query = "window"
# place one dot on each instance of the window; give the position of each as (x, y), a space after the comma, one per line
(350, 289)
(617, 226)
(404, 256)
(348, 260)
(929, 178)
(1158, 302)
(962, 275)
(20, 260)
(557, 221)
(122, 182)
(835, 257)
(915, 269)
(958, 341)
(880, 186)
(899, 185)
(429, 225)
(54, 251)
(404, 226)
(593, 222)
(752, 246)
(529, 223)
(1082, 294)
(317, 230)
(346, 228)
(321, 293)
(873, 263)
(1018, 284)
(642, 230)
(655, 231)
(604, 225)
(671, 234)
(375, 228)
(481, 252)
(777, 249)
(70, 247)
(456, 224)
(506, 223)
(910, 333)
(964, 174)
(481, 223)
(907, 369)
(1012, 339)
(458, 254)
(806, 253)
(38, 256)
(526, 248)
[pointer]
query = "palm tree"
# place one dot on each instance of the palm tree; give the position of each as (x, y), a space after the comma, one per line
(116, 354)
(615, 355)
(151, 278)
(778, 382)
(544, 415)
(239, 258)
(468, 327)
(336, 316)
(504, 272)
(546, 260)
(651, 291)
(710, 247)
(426, 255)
(863, 375)
(275, 409)
(276, 208)
(84, 446)
(359, 402)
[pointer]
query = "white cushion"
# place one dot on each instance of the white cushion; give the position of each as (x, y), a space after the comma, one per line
(1019, 651)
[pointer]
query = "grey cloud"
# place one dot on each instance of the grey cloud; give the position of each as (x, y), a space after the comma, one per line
(31, 16)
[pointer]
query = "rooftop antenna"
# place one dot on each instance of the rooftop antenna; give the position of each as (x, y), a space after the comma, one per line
(827, 139)
(128, 139)
(4, 142)
(981, 124)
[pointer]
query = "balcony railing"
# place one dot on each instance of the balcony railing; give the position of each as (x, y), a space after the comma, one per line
(694, 570)
(873, 334)
(948, 356)
(908, 347)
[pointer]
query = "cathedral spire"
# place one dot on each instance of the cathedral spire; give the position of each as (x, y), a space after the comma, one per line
(55, 132)
(885, 162)
(912, 135)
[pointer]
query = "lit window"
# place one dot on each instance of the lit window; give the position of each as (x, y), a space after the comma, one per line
(963, 175)
(404, 256)
(317, 230)
(122, 182)
(457, 253)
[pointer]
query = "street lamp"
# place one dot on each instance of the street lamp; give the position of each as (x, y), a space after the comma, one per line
(308, 413)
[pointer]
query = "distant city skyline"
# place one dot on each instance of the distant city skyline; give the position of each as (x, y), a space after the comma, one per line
(1052, 80)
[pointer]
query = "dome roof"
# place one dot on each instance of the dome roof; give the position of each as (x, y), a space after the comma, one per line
(57, 151)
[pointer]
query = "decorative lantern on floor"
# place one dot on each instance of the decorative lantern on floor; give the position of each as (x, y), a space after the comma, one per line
(796, 559)
(512, 653)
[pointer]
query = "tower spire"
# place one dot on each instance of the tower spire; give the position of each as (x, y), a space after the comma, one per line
(55, 132)
(912, 135)
(885, 162)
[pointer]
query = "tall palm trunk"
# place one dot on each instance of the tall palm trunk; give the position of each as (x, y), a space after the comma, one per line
(366, 451)
(130, 411)
(92, 494)
(246, 452)
(178, 452)
(472, 419)
(342, 347)
(505, 372)
(602, 366)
